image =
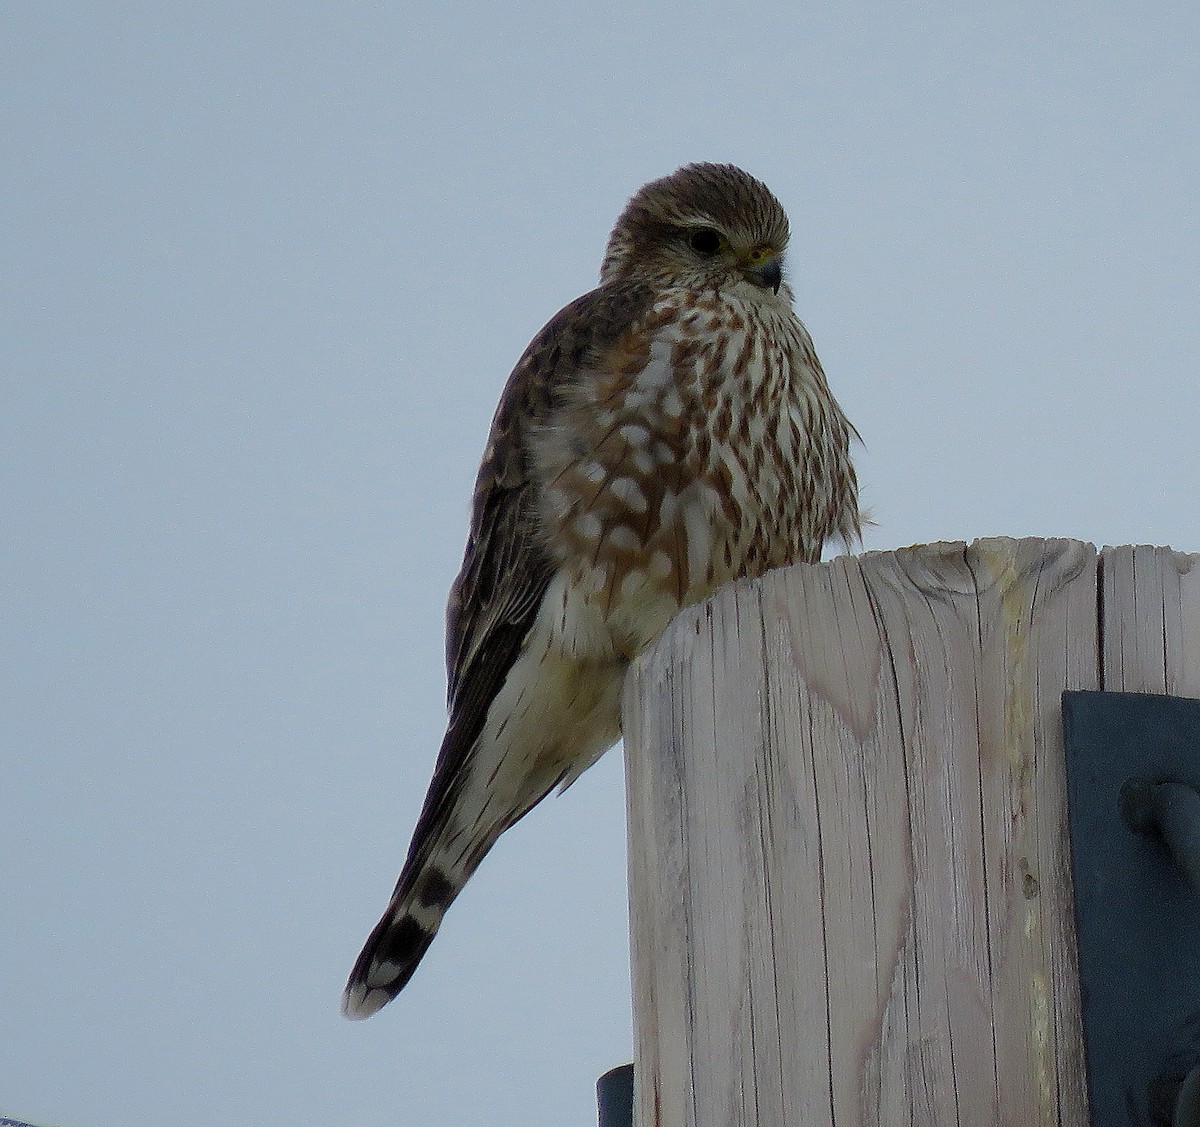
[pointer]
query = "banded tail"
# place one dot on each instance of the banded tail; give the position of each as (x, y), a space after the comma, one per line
(398, 942)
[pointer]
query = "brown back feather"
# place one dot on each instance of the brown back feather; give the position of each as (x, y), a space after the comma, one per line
(506, 567)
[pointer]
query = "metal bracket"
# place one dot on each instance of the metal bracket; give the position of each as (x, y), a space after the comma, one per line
(1133, 783)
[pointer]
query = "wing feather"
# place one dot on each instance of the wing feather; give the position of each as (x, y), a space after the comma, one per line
(507, 565)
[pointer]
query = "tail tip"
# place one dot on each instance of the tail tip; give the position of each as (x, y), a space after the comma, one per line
(359, 1001)
(386, 963)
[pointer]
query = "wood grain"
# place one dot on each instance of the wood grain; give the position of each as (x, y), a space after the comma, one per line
(1150, 620)
(850, 891)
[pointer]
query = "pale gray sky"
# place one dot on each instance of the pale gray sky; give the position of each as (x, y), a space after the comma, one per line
(265, 269)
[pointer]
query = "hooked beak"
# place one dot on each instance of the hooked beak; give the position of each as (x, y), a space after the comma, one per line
(765, 270)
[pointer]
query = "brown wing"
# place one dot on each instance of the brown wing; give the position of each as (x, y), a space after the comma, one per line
(506, 567)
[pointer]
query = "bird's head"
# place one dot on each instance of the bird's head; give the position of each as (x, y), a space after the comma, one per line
(706, 226)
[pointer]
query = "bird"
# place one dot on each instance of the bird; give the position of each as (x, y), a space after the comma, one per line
(665, 433)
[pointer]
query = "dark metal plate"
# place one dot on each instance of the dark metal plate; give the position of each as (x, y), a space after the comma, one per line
(1138, 918)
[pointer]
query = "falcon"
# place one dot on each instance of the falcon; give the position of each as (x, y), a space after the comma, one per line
(665, 433)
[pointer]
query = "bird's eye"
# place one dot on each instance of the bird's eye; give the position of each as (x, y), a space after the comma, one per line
(705, 241)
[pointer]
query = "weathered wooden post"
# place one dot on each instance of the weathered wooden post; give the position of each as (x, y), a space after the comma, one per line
(849, 863)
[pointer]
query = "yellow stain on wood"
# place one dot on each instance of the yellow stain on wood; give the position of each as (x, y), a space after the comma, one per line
(1001, 562)
(1039, 1008)
(1016, 609)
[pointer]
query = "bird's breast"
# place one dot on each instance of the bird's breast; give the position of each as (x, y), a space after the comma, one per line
(699, 453)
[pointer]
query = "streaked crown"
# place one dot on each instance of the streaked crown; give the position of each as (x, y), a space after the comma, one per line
(664, 235)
